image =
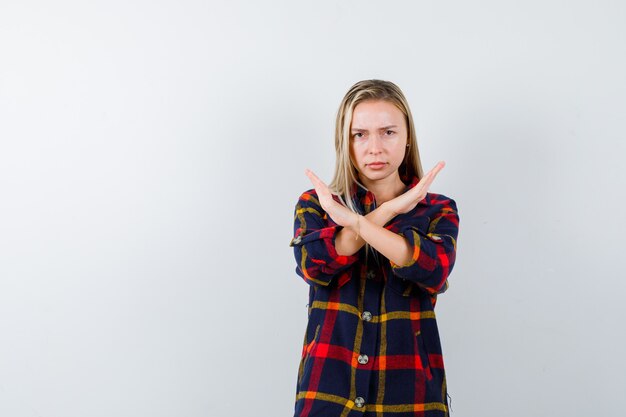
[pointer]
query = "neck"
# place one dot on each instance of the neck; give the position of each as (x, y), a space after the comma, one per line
(385, 189)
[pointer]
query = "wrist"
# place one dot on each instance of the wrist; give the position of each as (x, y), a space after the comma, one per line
(387, 211)
(356, 225)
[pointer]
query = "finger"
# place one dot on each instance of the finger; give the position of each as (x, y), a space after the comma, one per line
(424, 183)
(314, 178)
(320, 187)
(433, 174)
(428, 183)
(439, 167)
(427, 177)
(435, 170)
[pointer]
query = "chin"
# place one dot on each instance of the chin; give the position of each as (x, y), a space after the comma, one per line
(374, 176)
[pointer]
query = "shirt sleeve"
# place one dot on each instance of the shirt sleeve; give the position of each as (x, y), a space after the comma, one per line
(434, 249)
(314, 244)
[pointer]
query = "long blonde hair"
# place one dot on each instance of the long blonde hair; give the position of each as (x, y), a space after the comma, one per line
(346, 173)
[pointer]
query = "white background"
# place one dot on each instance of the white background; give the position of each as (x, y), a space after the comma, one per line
(152, 152)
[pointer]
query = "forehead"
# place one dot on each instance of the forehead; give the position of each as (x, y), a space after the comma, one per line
(376, 113)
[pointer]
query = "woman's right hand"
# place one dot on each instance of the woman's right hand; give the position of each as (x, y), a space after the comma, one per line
(407, 201)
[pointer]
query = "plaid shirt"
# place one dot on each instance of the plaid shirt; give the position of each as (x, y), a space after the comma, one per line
(371, 346)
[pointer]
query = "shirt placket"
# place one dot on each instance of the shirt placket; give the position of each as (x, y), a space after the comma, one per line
(366, 356)
(368, 349)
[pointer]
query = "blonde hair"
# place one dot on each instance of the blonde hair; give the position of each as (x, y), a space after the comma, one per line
(346, 173)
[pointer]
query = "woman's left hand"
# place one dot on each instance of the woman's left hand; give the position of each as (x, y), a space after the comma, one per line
(340, 214)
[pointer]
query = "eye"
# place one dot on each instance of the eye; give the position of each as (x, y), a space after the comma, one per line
(390, 132)
(358, 135)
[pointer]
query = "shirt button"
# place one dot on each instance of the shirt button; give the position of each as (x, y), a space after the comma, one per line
(366, 316)
(363, 359)
(359, 402)
(297, 239)
(371, 274)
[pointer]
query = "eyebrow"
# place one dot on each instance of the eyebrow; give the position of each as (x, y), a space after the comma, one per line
(382, 128)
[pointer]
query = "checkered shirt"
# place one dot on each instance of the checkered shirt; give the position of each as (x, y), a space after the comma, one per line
(371, 347)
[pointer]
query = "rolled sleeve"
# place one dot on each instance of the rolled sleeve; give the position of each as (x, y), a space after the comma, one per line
(434, 249)
(314, 244)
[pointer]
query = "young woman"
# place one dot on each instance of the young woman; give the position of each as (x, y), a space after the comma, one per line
(376, 249)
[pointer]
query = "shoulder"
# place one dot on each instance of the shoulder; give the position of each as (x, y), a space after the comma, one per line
(308, 198)
(308, 194)
(440, 202)
(309, 202)
(434, 198)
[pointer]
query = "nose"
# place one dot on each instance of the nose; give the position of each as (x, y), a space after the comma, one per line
(375, 144)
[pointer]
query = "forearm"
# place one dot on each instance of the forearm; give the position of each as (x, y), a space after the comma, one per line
(391, 245)
(347, 242)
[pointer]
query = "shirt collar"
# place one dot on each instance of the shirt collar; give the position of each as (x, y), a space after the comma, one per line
(362, 195)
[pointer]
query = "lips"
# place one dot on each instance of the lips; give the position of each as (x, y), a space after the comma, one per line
(376, 165)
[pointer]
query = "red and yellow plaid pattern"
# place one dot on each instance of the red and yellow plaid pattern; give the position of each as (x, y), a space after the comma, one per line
(372, 347)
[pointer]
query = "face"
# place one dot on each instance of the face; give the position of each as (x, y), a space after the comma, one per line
(378, 139)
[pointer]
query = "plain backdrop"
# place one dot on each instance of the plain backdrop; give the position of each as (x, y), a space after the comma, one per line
(152, 153)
